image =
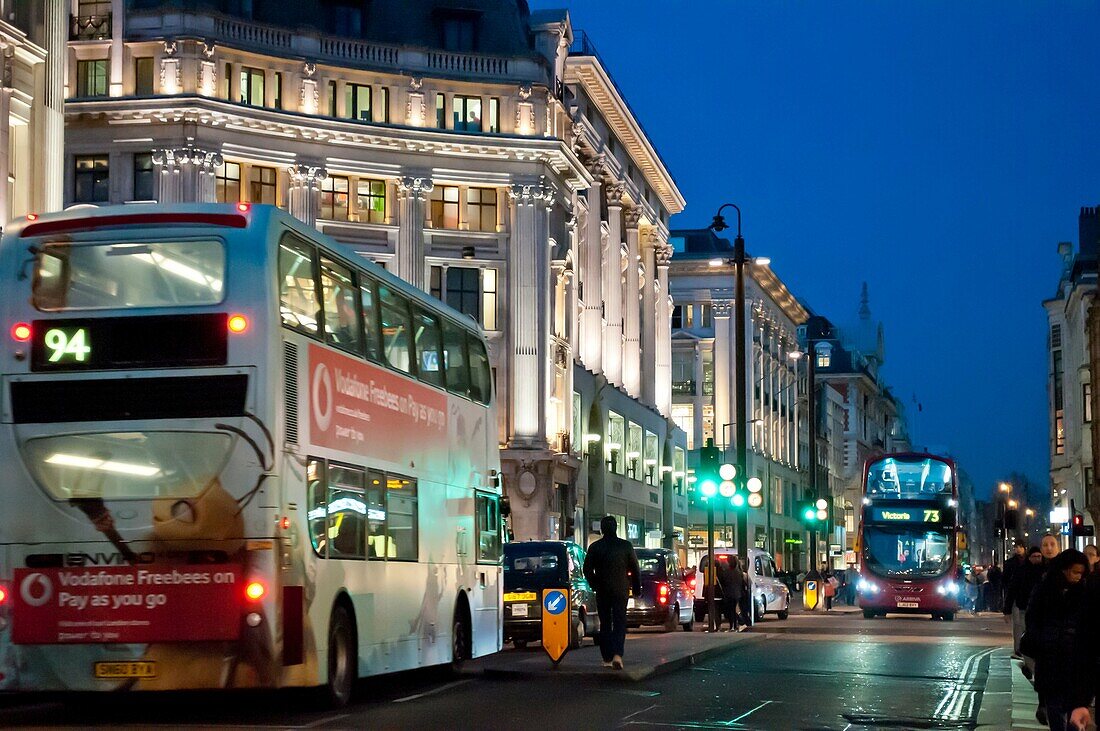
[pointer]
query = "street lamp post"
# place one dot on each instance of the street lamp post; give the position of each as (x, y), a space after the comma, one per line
(740, 418)
(1005, 489)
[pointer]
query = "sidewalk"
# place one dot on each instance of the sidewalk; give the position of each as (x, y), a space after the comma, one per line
(1009, 701)
(647, 654)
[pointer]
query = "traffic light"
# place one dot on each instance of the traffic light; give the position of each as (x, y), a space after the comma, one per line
(707, 478)
(756, 492)
(1078, 528)
(812, 512)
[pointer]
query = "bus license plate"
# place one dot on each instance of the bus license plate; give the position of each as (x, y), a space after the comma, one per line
(908, 605)
(519, 610)
(112, 670)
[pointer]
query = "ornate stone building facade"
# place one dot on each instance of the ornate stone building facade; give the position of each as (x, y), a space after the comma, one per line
(482, 153)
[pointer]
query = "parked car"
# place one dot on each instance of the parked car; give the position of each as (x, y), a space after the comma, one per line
(666, 597)
(770, 594)
(530, 567)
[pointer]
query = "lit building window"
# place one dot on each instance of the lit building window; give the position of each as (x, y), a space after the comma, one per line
(261, 185)
(91, 78)
(252, 87)
(384, 104)
(371, 200)
(684, 417)
(335, 200)
(357, 102)
(227, 182)
(440, 111)
(444, 199)
(481, 209)
(494, 114)
(278, 90)
(469, 290)
(467, 113)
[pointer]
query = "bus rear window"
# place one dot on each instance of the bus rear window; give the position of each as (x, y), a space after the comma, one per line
(125, 275)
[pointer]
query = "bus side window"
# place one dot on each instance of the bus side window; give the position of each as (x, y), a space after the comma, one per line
(379, 546)
(346, 512)
(454, 358)
(341, 311)
(370, 318)
(488, 528)
(402, 517)
(481, 377)
(395, 328)
(427, 349)
(318, 506)
(298, 302)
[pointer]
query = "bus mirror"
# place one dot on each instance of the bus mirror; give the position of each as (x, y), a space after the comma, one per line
(505, 507)
(494, 479)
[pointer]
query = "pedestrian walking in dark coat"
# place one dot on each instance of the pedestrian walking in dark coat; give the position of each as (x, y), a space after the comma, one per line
(731, 579)
(1060, 636)
(611, 568)
(1012, 563)
(1024, 580)
(994, 591)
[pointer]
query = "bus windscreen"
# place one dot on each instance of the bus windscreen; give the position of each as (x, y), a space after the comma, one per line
(899, 477)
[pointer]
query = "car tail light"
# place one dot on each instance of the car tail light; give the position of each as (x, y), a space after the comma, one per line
(3, 595)
(662, 593)
(691, 583)
(255, 591)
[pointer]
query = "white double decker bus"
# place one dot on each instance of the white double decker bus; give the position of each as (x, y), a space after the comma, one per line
(235, 455)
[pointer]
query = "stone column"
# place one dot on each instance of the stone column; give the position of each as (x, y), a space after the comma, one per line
(303, 201)
(632, 343)
(592, 317)
(528, 329)
(663, 370)
(186, 174)
(722, 371)
(118, 15)
(613, 287)
(649, 318)
(52, 130)
(412, 192)
(698, 400)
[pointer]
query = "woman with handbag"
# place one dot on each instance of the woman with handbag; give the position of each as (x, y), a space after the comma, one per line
(1060, 635)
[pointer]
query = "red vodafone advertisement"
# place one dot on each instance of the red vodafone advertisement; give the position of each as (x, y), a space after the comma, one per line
(137, 604)
(352, 401)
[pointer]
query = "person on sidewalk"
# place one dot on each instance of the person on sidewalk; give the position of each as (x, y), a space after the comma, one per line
(1092, 578)
(994, 592)
(1012, 563)
(731, 580)
(1024, 580)
(611, 568)
(1059, 636)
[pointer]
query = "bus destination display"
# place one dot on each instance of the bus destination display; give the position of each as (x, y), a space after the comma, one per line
(920, 515)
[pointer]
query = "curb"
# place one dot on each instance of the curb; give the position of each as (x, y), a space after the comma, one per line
(635, 675)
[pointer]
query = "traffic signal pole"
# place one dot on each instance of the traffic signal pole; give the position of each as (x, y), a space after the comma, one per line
(811, 418)
(710, 576)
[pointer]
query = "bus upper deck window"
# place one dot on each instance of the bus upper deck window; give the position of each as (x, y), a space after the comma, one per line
(340, 307)
(298, 301)
(428, 358)
(481, 375)
(454, 358)
(395, 328)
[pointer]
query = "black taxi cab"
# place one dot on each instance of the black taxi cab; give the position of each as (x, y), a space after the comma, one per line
(530, 567)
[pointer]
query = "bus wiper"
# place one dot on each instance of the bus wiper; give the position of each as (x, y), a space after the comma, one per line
(101, 518)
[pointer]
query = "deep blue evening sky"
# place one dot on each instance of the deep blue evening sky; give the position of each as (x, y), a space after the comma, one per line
(938, 150)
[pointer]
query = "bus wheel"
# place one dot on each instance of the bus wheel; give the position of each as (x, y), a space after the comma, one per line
(869, 613)
(460, 638)
(342, 658)
(948, 616)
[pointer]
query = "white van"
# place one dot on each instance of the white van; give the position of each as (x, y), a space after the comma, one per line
(770, 595)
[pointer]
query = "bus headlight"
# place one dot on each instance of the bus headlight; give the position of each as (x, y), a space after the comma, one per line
(948, 587)
(866, 587)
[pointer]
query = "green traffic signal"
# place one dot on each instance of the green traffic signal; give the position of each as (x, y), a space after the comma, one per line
(738, 500)
(708, 487)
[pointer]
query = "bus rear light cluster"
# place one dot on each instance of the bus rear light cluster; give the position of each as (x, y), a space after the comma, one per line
(237, 324)
(21, 332)
(255, 591)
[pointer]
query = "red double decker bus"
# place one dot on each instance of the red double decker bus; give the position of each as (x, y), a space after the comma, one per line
(908, 558)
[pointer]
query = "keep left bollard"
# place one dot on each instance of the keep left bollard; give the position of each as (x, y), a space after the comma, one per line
(555, 623)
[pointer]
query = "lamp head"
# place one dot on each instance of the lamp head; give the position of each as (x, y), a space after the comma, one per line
(718, 224)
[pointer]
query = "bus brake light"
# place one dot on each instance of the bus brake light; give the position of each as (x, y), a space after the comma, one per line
(237, 323)
(255, 591)
(32, 216)
(21, 332)
(284, 523)
(242, 207)
(3, 596)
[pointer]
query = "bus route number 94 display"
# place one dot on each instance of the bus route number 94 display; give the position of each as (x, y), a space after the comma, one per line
(67, 345)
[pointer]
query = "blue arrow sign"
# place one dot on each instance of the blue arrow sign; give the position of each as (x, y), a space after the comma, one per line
(554, 602)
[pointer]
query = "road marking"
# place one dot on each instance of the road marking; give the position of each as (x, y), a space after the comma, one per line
(434, 691)
(951, 706)
(324, 721)
(746, 715)
(638, 713)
